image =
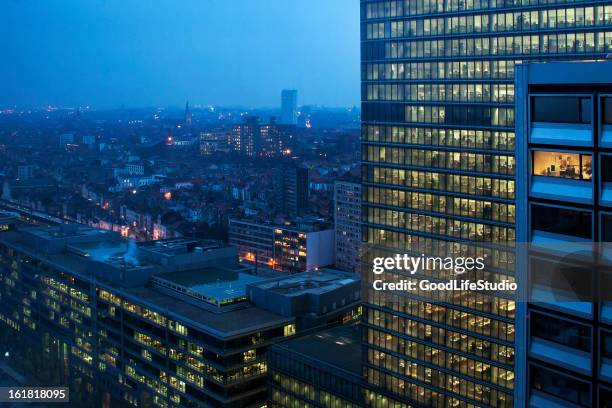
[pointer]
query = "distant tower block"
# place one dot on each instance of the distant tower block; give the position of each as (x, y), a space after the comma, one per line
(289, 106)
(187, 114)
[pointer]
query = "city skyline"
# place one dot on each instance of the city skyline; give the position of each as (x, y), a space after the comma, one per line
(107, 54)
(267, 241)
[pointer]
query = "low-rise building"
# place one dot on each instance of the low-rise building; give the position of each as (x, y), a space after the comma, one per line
(294, 247)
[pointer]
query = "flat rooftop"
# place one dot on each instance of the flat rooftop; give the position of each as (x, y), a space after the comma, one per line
(339, 347)
(319, 282)
(66, 231)
(119, 253)
(215, 285)
(225, 325)
(177, 246)
(300, 225)
(6, 216)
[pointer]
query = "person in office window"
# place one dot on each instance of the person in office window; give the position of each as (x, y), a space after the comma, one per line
(587, 171)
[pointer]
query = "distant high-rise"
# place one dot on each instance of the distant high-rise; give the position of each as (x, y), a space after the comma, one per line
(347, 222)
(271, 142)
(253, 138)
(246, 137)
(289, 106)
(188, 117)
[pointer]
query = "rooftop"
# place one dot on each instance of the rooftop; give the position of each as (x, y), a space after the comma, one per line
(66, 231)
(175, 246)
(119, 253)
(216, 286)
(339, 347)
(8, 217)
(301, 224)
(322, 281)
(231, 323)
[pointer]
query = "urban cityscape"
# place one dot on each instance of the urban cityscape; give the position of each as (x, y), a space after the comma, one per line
(373, 203)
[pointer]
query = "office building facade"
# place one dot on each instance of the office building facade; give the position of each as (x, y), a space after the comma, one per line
(300, 247)
(79, 303)
(318, 370)
(347, 225)
(438, 168)
(564, 162)
(176, 322)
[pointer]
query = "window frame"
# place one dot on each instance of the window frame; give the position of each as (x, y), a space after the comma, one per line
(552, 149)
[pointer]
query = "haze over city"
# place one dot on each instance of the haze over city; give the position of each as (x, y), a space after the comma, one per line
(324, 203)
(159, 53)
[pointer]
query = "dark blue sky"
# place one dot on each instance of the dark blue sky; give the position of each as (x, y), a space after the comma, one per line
(159, 52)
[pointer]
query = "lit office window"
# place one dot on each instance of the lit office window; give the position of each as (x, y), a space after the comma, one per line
(562, 164)
(561, 109)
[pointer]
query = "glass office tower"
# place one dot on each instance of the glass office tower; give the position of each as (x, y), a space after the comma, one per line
(438, 173)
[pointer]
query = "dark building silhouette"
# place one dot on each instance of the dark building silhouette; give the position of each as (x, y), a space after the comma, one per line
(292, 191)
(188, 117)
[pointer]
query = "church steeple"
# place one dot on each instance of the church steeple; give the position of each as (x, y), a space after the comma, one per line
(187, 114)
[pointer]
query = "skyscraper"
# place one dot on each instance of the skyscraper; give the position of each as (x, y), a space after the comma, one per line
(564, 158)
(289, 106)
(438, 169)
(188, 116)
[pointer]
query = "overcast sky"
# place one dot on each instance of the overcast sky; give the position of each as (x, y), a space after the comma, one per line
(106, 53)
